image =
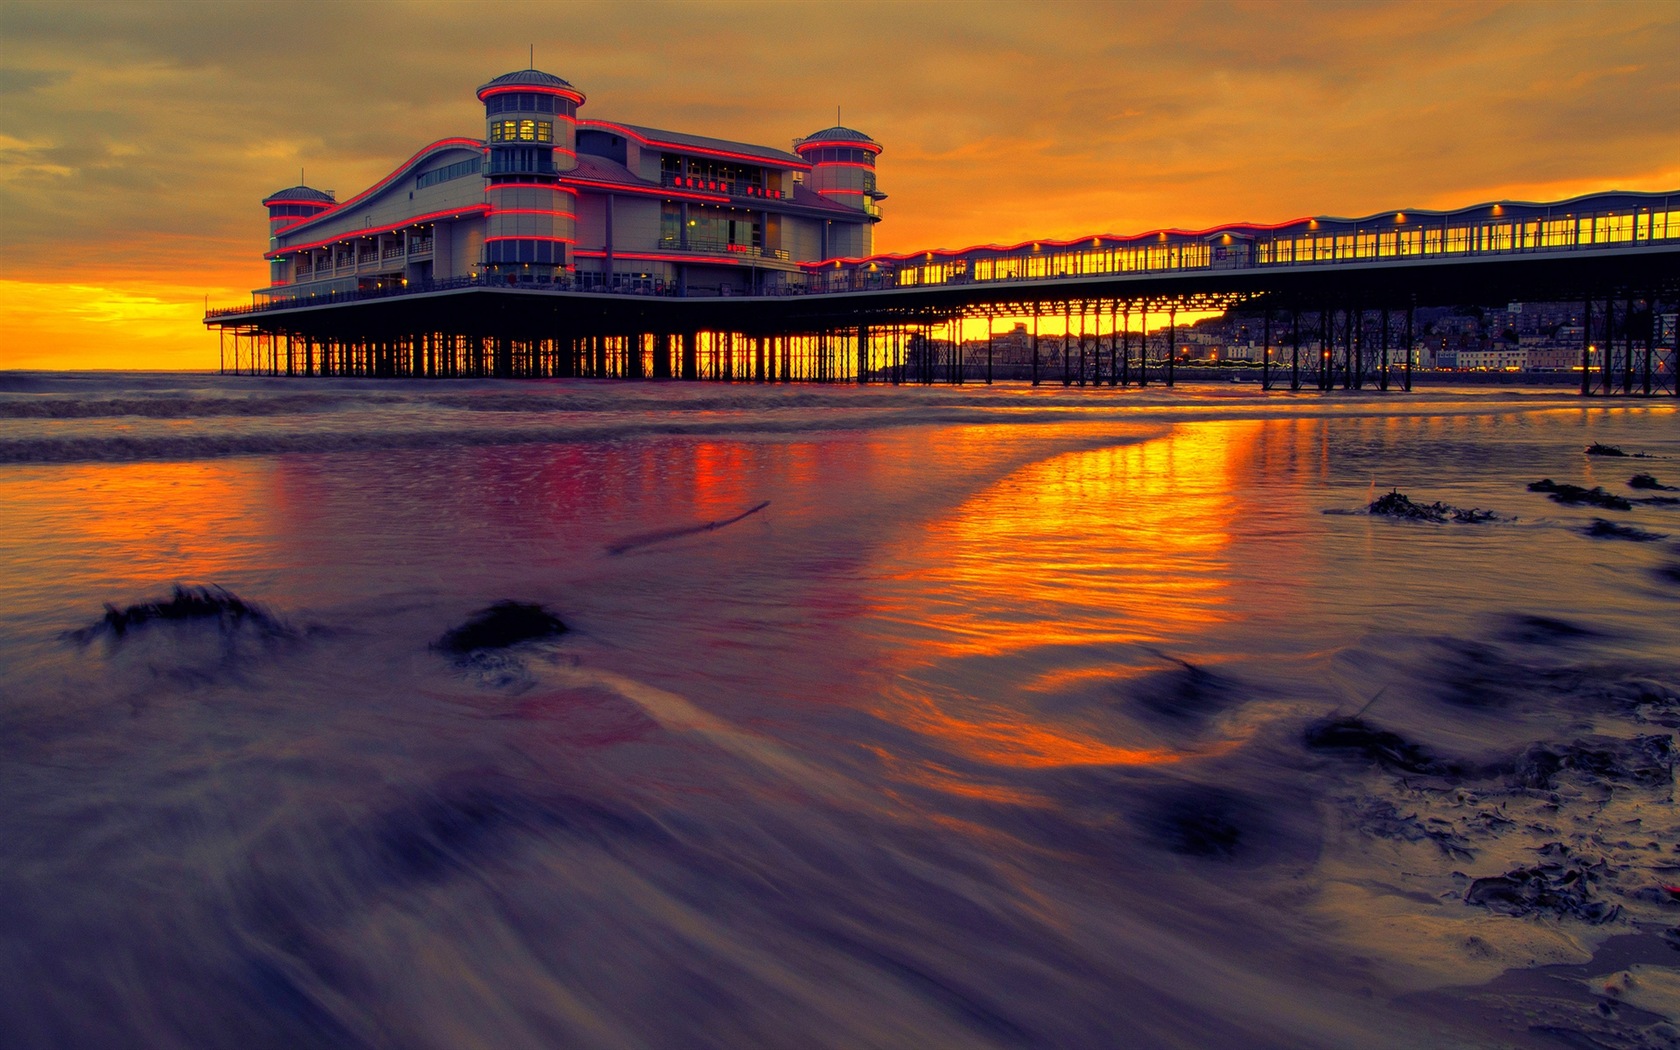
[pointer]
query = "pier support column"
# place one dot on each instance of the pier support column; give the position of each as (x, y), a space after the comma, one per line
(1607, 355)
(691, 355)
(1172, 339)
(1294, 349)
(1382, 377)
(1411, 345)
(1586, 347)
(1035, 346)
(1627, 345)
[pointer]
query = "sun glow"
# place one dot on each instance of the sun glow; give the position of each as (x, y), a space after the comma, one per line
(106, 326)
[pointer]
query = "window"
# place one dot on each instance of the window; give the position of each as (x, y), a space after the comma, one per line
(512, 103)
(521, 131)
(458, 170)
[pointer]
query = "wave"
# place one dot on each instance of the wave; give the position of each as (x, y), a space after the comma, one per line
(130, 447)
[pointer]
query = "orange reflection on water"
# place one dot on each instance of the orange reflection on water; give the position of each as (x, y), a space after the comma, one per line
(133, 527)
(1126, 543)
(1025, 602)
(1004, 738)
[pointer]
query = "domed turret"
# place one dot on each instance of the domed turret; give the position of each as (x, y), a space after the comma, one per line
(289, 206)
(530, 127)
(842, 163)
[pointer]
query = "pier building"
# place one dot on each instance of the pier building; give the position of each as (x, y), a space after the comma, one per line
(550, 198)
(564, 245)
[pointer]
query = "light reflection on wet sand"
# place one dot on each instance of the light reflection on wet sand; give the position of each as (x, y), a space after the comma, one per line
(980, 734)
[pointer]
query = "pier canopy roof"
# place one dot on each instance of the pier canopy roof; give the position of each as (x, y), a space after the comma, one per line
(530, 80)
(299, 195)
(681, 142)
(463, 147)
(838, 136)
(1586, 207)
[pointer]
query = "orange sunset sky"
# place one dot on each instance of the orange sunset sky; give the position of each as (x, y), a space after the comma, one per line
(137, 139)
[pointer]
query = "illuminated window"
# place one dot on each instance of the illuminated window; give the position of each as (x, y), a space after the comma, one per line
(545, 131)
(527, 131)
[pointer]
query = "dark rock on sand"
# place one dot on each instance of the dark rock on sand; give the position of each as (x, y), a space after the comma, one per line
(1545, 630)
(1183, 693)
(1562, 885)
(1396, 504)
(204, 605)
(1197, 821)
(1355, 736)
(1575, 495)
(499, 626)
(1644, 760)
(1609, 530)
(1382, 819)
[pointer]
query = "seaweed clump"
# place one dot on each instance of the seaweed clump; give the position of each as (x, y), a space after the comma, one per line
(1609, 530)
(1562, 886)
(1647, 481)
(1396, 504)
(186, 604)
(499, 626)
(1575, 495)
(1647, 761)
(1388, 749)
(1600, 449)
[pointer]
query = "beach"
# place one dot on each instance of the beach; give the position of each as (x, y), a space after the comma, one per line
(956, 716)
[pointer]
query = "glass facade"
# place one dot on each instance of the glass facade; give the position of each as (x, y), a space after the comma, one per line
(458, 170)
(1315, 242)
(838, 155)
(710, 229)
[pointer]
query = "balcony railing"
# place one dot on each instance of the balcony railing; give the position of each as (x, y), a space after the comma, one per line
(712, 247)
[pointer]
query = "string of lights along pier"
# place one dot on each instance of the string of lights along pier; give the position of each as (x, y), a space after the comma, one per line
(561, 245)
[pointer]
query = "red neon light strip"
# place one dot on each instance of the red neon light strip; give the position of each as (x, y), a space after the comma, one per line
(532, 89)
(872, 147)
(276, 203)
(533, 211)
(653, 191)
(684, 148)
(471, 209)
(556, 187)
(533, 237)
(846, 164)
(830, 193)
(585, 253)
(406, 167)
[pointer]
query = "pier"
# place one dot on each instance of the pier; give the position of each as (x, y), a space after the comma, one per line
(1337, 300)
(566, 245)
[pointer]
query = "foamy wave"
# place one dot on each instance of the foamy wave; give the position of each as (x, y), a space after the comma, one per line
(122, 448)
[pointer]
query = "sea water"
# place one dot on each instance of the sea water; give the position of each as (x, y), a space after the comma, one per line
(884, 717)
